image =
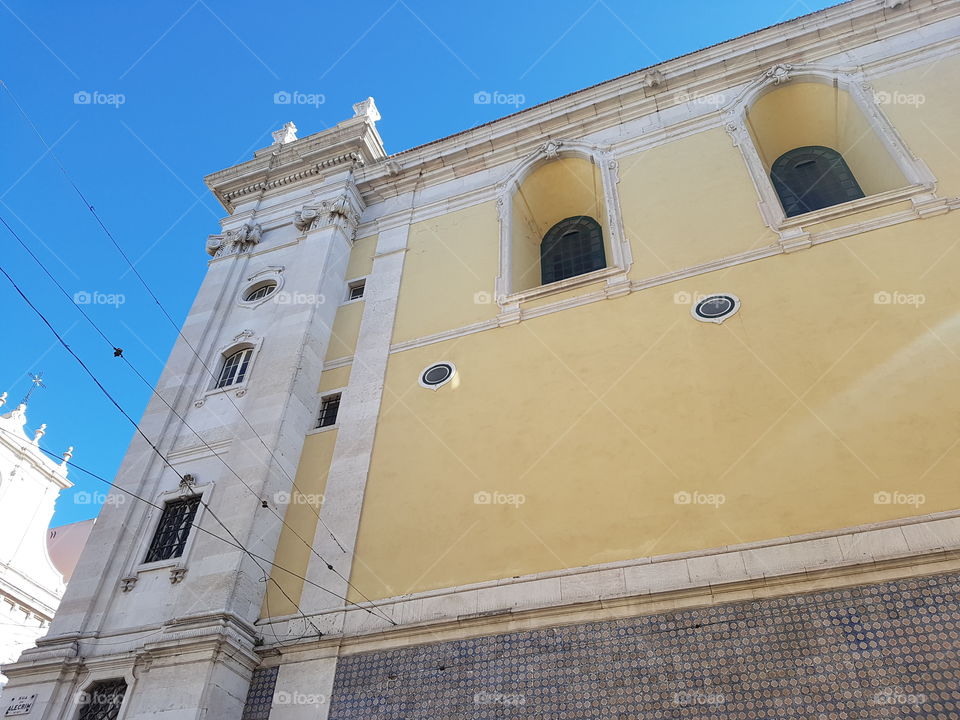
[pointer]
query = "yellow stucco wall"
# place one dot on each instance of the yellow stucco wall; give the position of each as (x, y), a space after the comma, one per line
(797, 411)
(300, 516)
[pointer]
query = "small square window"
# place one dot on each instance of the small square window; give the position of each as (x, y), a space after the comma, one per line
(173, 530)
(355, 290)
(329, 407)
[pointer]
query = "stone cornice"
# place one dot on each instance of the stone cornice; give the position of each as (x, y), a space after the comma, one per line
(350, 144)
(355, 143)
(629, 97)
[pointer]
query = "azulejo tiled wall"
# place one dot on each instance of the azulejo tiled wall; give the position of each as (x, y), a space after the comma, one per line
(879, 651)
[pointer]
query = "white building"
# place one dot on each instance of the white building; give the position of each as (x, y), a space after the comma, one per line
(31, 585)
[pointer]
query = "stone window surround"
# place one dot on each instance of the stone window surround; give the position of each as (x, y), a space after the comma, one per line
(350, 283)
(245, 340)
(110, 672)
(180, 563)
(272, 274)
(325, 394)
(921, 183)
(620, 260)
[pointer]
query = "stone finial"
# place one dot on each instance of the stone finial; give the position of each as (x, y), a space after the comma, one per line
(39, 433)
(366, 108)
(3, 400)
(288, 133)
(67, 455)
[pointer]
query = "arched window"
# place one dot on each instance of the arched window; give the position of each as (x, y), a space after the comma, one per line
(811, 178)
(571, 247)
(235, 368)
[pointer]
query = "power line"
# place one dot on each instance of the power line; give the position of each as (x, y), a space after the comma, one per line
(193, 523)
(140, 432)
(163, 310)
(118, 352)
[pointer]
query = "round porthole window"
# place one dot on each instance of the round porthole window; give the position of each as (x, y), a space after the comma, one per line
(259, 291)
(437, 375)
(715, 308)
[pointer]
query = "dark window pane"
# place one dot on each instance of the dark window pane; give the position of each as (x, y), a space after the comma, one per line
(329, 407)
(261, 292)
(356, 290)
(235, 368)
(102, 700)
(812, 178)
(173, 530)
(571, 247)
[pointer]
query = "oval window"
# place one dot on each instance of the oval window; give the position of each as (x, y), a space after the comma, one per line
(260, 291)
(715, 308)
(437, 374)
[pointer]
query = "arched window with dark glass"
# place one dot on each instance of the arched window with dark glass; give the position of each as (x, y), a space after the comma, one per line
(811, 178)
(571, 247)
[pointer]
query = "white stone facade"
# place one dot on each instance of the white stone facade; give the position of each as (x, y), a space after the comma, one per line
(30, 584)
(183, 633)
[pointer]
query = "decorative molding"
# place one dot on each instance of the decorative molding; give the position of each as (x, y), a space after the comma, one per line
(909, 543)
(653, 79)
(851, 80)
(286, 134)
(232, 242)
(127, 583)
(341, 212)
(621, 255)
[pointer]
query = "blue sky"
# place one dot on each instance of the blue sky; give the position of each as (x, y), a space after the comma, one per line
(178, 89)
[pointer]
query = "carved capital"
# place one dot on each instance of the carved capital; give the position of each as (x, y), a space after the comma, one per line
(234, 241)
(177, 574)
(339, 212)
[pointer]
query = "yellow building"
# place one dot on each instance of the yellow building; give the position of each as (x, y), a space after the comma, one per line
(638, 403)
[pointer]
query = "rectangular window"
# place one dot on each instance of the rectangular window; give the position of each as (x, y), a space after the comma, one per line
(329, 407)
(173, 530)
(355, 289)
(102, 700)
